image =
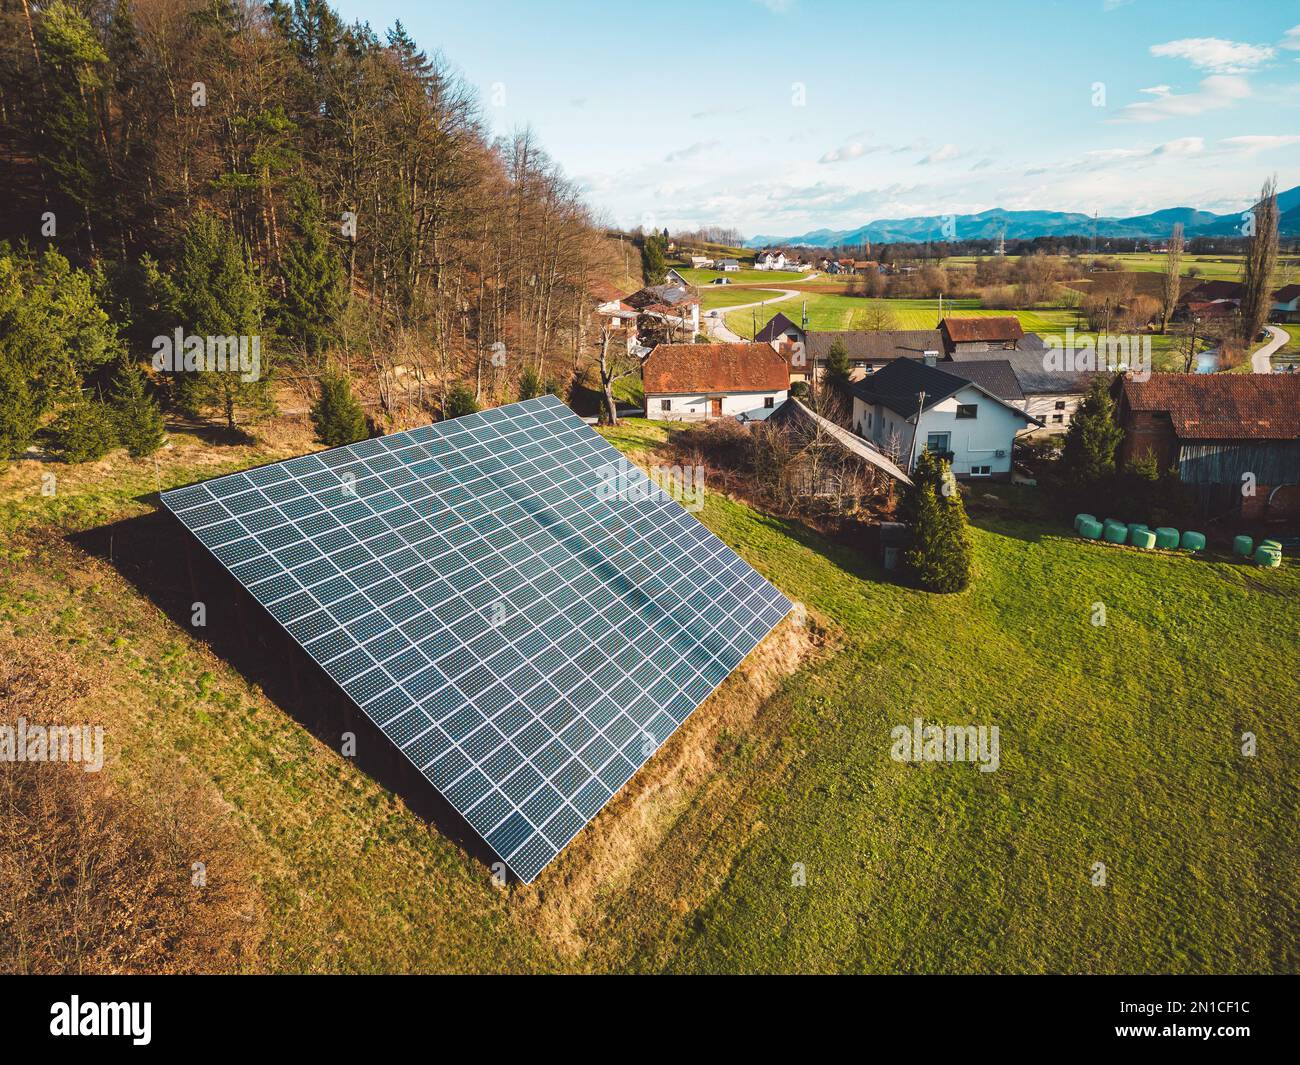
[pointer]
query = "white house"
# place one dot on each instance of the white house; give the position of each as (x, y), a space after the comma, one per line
(701, 262)
(908, 406)
(770, 260)
(697, 382)
(1050, 394)
(729, 266)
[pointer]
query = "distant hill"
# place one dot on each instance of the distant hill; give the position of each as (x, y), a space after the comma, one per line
(1026, 225)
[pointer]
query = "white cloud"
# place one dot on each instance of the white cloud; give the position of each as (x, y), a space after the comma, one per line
(852, 150)
(940, 155)
(1249, 145)
(1156, 90)
(691, 151)
(1216, 55)
(1181, 146)
(1215, 92)
(1291, 39)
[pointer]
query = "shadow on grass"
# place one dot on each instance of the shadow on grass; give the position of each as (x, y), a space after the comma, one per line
(173, 571)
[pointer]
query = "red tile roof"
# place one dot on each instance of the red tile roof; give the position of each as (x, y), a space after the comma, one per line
(677, 368)
(1222, 406)
(967, 330)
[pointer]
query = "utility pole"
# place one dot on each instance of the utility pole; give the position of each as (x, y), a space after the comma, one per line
(916, 431)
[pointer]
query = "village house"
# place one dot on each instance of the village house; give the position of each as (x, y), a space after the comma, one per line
(1050, 395)
(728, 266)
(1224, 432)
(674, 277)
(981, 334)
(1286, 304)
(671, 304)
(698, 382)
(770, 260)
(909, 405)
(780, 331)
(701, 262)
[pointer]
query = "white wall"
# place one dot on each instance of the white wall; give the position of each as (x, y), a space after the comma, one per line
(687, 407)
(1043, 407)
(973, 441)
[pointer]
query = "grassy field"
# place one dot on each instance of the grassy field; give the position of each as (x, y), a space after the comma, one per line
(1119, 745)
(722, 297)
(742, 276)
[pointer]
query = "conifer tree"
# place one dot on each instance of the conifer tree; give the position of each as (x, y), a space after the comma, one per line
(313, 280)
(939, 557)
(136, 414)
(336, 415)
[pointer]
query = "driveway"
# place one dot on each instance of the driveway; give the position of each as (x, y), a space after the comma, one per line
(1260, 361)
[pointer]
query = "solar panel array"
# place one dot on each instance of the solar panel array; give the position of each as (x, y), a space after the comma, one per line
(525, 626)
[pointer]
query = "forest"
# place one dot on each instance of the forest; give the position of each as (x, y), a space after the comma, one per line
(264, 178)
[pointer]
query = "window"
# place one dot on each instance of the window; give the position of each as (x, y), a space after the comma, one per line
(769, 401)
(665, 404)
(967, 410)
(1058, 419)
(1060, 404)
(868, 419)
(937, 441)
(980, 471)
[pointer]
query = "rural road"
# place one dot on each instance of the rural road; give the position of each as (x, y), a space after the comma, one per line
(716, 327)
(1259, 362)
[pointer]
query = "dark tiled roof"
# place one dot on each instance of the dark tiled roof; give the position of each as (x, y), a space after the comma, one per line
(897, 386)
(1221, 406)
(1215, 290)
(659, 295)
(677, 368)
(778, 325)
(1287, 293)
(887, 344)
(975, 330)
(1031, 370)
(992, 375)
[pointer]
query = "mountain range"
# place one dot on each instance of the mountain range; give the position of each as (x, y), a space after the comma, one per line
(1025, 225)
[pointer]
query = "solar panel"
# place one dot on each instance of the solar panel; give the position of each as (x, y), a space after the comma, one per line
(524, 614)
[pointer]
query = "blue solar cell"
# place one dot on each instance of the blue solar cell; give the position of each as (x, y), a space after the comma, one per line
(577, 624)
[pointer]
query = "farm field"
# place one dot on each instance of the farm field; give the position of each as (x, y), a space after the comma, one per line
(1119, 744)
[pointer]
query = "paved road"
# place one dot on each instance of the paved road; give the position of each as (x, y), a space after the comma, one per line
(1260, 361)
(716, 327)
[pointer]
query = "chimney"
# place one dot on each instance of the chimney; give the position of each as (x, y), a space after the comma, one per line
(931, 357)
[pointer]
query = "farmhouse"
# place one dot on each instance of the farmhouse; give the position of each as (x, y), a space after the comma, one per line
(981, 334)
(909, 405)
(770, 260)
(1050, 395)
(1286, 304)
(779, 331)
(673, 277)
(696, 382)
(701, 262)
(729, 266)
(1224, 432)
(672, 304)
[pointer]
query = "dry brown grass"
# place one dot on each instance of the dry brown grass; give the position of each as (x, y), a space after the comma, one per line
(98, 879)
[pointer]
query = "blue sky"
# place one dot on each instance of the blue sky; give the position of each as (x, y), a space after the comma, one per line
(784, 116)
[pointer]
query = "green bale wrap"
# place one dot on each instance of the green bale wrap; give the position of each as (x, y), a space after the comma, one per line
(1115, 533)
(1193, 541)
(1134, 531)
(1143, 538)
(1090, 530)
(1167, 539)
(1243, 545)
(1264, 557)
(1272, 545)
(1079, 519)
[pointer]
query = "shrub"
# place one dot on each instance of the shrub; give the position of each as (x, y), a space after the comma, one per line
(460, 401)
(336, 415)
(530, 383)
(83, 432)
(136, 414)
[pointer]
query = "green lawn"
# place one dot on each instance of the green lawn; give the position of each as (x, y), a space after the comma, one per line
(742, 276)
(1119, 744)
(721, 297)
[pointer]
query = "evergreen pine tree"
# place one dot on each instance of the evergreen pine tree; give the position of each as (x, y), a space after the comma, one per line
(219, 294)
(939, 557)
(530, 383)
(83, 432)
(313, 280)
(1087, 464)
(836, 375)
(336, 415)
(136, 415)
